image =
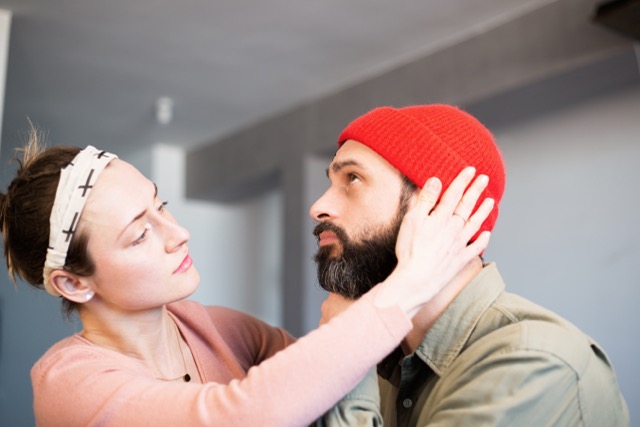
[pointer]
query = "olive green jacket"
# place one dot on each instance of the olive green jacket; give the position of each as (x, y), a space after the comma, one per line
(491, 359)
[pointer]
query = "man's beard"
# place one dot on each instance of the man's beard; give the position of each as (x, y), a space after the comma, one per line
(359, 266)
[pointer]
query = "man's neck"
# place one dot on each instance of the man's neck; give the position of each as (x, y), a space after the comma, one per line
(430, 312)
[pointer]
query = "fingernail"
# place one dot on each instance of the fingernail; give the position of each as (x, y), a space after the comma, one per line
(483, 179)
(432, 183)
(470, 170)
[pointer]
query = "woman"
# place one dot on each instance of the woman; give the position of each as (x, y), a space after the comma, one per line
(91, 229)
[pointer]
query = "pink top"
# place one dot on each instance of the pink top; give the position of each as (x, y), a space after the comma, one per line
(77, 383)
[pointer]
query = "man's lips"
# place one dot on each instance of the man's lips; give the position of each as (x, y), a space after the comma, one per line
(327, 238)
(184, 266)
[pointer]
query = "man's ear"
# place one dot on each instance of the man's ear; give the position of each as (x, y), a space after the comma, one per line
(70, 286)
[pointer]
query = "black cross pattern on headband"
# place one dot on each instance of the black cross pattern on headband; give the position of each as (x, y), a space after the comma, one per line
(86, 187)
(72, 228)
(102, 154)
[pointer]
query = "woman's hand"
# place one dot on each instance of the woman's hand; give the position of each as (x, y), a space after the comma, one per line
(432, 246)
(333, 305)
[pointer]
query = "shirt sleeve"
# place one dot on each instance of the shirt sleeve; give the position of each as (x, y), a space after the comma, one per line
(79, 385)
(250, 339)
(359, 408)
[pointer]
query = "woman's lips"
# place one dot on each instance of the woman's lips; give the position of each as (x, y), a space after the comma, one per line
(184, 266)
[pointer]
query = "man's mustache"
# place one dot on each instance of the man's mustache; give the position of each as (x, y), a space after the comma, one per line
(329, 226)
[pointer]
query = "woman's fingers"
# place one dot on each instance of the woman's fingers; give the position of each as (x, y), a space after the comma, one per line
(470, 197)
(433, 241)
(428, 197)
(453, 195)
(479, 245)
(475, 221)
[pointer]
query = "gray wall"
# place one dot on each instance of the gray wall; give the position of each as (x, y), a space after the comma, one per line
(564, 103)
(568, 236)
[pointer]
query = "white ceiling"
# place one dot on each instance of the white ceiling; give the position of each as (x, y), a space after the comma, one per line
(90, 71)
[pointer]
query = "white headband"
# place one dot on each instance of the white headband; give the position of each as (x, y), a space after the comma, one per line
(76, 181)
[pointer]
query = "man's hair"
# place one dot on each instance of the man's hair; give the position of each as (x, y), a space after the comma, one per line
(409, 188)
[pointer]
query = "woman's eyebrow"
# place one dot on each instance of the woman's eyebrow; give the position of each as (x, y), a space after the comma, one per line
(141, 214)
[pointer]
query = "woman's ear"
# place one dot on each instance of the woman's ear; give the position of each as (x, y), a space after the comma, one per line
(70, 286)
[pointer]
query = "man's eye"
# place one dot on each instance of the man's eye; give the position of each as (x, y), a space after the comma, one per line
(353, 177)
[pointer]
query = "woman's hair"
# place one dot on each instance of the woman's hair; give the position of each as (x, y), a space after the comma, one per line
(24, 215)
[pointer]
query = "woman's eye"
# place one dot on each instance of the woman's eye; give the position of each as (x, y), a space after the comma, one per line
(162, 205)
(142, 236)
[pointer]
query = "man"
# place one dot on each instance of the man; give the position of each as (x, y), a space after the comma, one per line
(477, 355)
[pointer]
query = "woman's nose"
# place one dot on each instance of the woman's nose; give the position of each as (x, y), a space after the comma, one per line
(175, 234)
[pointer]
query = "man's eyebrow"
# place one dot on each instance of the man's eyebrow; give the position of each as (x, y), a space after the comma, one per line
(141, 214)
(337, 166)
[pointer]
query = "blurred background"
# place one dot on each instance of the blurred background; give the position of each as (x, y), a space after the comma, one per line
(233, 107)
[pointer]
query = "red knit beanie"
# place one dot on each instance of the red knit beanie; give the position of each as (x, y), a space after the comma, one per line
(432, 140)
